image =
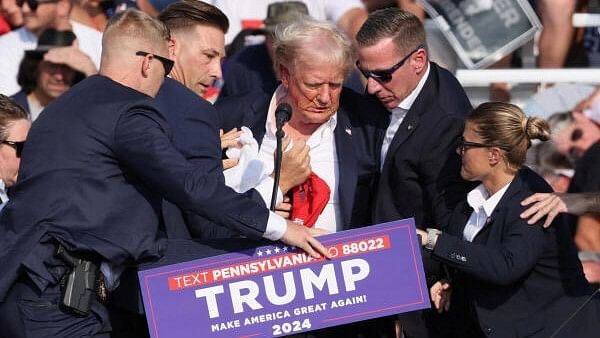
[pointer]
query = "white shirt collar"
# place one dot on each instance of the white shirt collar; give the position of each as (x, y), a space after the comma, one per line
(410, 99)
(479, 198)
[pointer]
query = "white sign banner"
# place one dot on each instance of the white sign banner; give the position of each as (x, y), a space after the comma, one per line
(483, 31)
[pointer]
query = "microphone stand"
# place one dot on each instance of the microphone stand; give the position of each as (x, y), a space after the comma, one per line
(278, 154)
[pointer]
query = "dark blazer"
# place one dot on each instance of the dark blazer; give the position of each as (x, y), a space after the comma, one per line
(95, 168)
(421, 172)
(249, 69)
(194, 123)
(519, 280)
(420, 177)
(21, 99)
(360, 125)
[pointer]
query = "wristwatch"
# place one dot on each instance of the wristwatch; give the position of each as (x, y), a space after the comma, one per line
(432, 235)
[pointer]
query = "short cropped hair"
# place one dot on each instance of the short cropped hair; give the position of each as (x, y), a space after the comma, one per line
(135, 25)
(185, 14)
(9, 112)
(306, 34)
(403, 27)
(505, 125)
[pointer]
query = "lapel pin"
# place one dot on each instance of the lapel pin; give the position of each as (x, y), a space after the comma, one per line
(349, 131)
(409, 127)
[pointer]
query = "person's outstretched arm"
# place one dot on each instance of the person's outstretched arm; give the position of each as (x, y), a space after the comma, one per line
(549, 205)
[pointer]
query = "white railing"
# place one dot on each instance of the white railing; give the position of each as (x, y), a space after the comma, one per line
(483, 77)
(585, 20)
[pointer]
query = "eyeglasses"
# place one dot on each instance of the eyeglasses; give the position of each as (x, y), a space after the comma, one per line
(33, 4)
(167, 63)
(576, 134)
(18, 145)
(463, 145)
(575, 153)
(385, 75)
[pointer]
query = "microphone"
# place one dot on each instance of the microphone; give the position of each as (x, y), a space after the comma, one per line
(283, 113)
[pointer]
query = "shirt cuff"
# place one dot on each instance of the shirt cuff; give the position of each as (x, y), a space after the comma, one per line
(265, 189)
(276, 227)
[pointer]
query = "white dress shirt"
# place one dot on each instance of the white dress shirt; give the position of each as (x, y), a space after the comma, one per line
(3, 195)
(483, 205)
(323, 160)
(398, 115)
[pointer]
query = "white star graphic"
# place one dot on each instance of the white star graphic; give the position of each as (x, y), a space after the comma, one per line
(259, 253)
(277, 249)
(285, 249)
(268, 251)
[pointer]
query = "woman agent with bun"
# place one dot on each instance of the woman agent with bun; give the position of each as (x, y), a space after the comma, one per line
(509, 278)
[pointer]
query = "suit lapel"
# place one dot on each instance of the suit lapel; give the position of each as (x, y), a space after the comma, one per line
(408, 125)
(459, 221)
(258, 118)
(513, 188)
(413, 116)
(346, 166)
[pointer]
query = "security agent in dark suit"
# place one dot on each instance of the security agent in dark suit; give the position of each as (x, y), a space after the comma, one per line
(512, 279)
(420, 170)
(96, 166)
(197, 31)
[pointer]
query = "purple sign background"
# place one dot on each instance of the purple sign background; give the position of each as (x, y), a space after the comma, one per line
(377, 272)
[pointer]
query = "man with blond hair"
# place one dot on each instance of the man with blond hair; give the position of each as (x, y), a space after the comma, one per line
(341, 128)
(339, 125)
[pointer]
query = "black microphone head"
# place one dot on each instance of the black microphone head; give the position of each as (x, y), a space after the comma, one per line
(283, 113)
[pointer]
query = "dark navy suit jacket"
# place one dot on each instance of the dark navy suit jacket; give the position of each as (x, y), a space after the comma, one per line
(421, 172)
(194, 123)
(519, 280)
(248, 70)
(93, 173)
(361, 123)
(21, 99)
(421, 161)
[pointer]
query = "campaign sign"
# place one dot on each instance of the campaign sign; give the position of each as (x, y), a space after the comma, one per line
(279, 290)
(481, 32)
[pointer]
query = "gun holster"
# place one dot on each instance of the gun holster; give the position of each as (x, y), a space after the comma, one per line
(80, 283)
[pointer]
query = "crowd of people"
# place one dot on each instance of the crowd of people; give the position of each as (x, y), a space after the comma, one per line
(128, 163)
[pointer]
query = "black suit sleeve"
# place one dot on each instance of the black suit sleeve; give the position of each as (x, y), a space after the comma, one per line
(196, 136)
(142, 145)
(440, 168)
(503, 264)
